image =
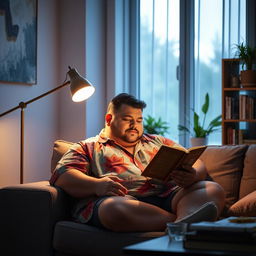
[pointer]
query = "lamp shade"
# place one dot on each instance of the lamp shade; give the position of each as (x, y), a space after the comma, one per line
(81, 89)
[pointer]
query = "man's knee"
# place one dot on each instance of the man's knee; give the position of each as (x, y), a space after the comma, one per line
(215, 189)
(112, 212)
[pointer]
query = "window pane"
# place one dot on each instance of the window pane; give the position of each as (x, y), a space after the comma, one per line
(159, 57)
(214, 41)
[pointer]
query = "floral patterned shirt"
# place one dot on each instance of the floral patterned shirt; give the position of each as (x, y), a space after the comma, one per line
(100, 156)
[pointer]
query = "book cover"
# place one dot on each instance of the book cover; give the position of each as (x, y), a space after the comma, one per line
(219, 246)
(231, 224)
(170, 158)
(222, 236)
(229, 234)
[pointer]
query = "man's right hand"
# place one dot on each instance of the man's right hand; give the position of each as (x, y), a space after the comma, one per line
(110, 186)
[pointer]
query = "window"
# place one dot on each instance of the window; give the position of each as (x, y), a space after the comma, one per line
(214, 41)
(159, 59)
(217, 26)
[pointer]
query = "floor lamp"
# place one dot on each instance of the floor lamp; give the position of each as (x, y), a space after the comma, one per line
(81, 89)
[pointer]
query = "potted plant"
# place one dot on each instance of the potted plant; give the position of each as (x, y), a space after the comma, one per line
(198, 131)
(247, 56)
(153, 126)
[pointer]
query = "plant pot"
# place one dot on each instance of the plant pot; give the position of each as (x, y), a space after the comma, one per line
(248, 78)
(198, 141)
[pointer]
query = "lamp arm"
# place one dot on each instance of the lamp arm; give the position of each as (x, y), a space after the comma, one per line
(24, 104)
(46, 93)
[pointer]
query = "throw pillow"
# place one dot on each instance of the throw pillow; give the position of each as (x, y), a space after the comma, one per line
(59, 149)
(245, 206)
(224, 164)
(248, 182)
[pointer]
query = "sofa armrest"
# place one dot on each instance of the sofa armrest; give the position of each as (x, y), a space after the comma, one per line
(28, 213)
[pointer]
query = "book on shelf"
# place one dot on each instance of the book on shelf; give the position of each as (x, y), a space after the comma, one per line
(231, 108)
(246, 107)
(170, 158)
(233, 233)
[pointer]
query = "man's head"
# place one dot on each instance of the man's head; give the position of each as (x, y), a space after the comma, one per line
(124, 120)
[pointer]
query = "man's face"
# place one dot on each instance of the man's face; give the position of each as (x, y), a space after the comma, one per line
(126, 125)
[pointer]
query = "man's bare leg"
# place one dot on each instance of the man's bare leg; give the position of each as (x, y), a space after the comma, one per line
(188, 200)
(124, 215)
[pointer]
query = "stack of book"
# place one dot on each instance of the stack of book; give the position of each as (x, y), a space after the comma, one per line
(231, 234)
(246, 107)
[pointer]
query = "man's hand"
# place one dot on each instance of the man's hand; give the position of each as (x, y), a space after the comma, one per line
(110, 186)
(184, 176)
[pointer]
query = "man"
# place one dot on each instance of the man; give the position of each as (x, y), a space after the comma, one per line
(104, 174)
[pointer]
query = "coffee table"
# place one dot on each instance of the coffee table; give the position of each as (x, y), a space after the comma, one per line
(163, 246)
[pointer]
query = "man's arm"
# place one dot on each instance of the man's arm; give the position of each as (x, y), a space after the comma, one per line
(78, 184)
(200, 168)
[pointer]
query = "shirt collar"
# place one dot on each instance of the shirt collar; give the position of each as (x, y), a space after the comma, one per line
(102, 137)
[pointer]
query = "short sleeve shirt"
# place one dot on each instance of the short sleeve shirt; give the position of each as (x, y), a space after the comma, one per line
(100, 156)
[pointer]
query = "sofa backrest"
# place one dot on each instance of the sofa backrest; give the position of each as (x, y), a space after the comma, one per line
(60, 147)
(225, 166)
(248, 181)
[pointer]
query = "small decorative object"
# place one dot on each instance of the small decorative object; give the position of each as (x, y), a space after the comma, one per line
(247, 56)
(153, 126)
(198, 132)
(197, 141)
(235, 81)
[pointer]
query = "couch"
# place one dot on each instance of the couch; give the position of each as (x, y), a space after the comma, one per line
(35, 218)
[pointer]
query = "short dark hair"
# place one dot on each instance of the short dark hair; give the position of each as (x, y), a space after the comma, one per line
(125, 98)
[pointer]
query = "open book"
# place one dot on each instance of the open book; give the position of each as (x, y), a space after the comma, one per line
(170, 158)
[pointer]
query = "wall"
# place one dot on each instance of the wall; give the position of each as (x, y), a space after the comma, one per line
(82, 46)
(68, 35)
(41, 124)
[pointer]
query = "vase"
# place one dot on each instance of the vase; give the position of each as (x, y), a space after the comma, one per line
(248, 78)
(196, 141)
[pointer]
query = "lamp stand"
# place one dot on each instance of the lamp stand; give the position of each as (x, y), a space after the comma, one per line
(22, 105)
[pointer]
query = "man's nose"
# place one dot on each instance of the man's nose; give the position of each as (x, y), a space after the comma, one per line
(132, 123)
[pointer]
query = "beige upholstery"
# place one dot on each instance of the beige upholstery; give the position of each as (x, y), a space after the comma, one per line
(246, 206)
(60, 147)
(224, 164)
(248, 182)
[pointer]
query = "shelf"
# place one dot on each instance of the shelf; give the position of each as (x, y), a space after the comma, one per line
(237, 102)
(239, 120)
(239, 89)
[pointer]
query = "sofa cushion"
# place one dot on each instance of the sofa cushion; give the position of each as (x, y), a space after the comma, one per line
(224, 165)
(245, 206)
(248, 181)
(59, 149)
(81, 239)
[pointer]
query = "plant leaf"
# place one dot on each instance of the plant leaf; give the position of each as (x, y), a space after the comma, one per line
(205, 106)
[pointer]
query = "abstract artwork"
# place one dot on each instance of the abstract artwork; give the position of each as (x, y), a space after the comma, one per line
(18, 41)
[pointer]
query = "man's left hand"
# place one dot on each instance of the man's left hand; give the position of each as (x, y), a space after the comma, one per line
(184, 176)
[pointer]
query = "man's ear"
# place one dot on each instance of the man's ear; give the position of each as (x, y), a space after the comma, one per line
(108, 119)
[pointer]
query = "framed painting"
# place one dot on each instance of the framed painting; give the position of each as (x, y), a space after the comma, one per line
(18, 44)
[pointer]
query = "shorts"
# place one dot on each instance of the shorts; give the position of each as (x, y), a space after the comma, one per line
(161, 202)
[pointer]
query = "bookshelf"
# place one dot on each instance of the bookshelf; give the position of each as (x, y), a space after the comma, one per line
(238, 106)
